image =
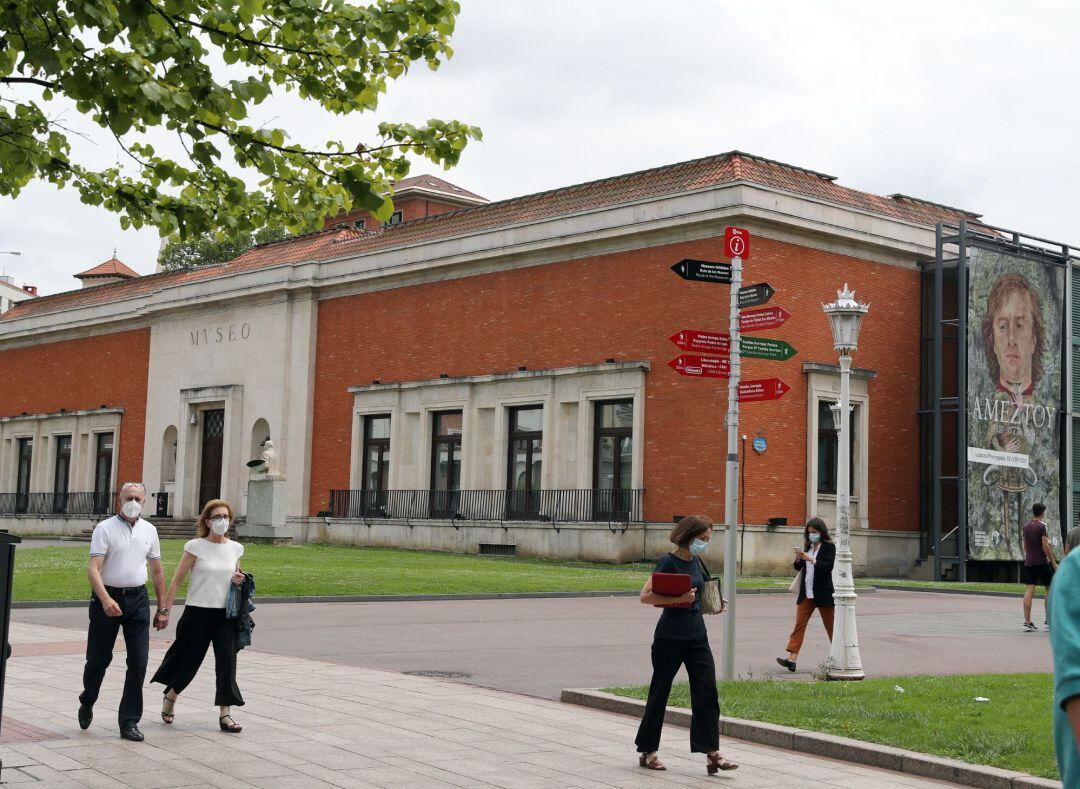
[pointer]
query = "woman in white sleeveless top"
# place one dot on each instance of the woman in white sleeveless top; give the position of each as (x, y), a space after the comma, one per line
(213, 561)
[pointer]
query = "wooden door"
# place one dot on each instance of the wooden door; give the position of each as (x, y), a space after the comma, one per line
(213, 439)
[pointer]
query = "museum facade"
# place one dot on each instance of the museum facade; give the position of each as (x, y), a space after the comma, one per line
(493, 377)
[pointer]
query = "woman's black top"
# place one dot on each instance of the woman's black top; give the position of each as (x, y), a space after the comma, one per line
(823, 586)
(682, 624)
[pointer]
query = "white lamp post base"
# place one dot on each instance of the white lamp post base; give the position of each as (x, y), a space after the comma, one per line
(844, 659)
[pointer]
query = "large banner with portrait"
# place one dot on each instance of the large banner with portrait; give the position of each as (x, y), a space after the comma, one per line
(1015, 324)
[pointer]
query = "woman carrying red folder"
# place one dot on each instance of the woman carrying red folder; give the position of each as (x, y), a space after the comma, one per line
(682, 640)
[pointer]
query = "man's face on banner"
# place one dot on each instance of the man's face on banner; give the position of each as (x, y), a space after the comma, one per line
(1014, 338)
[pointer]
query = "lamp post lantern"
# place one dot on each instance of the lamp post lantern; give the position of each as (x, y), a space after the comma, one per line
(845, 318)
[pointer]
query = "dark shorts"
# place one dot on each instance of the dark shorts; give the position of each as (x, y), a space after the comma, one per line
(1038, 575)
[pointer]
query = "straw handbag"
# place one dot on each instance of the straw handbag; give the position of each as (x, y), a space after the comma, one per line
(712, 602)
(796, 583)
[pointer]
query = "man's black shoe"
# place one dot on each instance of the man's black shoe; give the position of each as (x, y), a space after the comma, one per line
(132, 733)
(788, 664)
(86, 715)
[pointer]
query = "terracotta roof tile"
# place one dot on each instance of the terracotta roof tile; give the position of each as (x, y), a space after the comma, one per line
(113, 267)
(671, 179)
(7, 284)
(433, 183)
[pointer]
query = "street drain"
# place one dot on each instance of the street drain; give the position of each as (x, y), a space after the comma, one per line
(440, 674)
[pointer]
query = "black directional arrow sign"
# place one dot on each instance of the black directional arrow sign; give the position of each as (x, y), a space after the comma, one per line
(755, 295)
(703, 271)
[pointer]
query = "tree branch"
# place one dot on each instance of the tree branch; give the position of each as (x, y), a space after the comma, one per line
(31, 80)
(245, 139)
(251, 42)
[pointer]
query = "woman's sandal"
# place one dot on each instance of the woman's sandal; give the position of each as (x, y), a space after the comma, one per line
(718, 762)
(232, 726)
(651, 764)
(167, 710)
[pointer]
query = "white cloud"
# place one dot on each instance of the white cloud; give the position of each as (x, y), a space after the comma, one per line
(968, 103)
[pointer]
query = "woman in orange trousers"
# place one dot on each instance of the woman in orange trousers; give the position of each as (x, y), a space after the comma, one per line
(814, 563)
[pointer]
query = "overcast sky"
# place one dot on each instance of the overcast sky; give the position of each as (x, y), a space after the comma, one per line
(973, 104)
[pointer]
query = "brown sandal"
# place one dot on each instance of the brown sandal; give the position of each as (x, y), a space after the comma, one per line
(651, 764)
(718, 762)
(232, 726)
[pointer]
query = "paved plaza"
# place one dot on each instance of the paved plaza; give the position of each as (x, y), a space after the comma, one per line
(316, 723)
(540, 646)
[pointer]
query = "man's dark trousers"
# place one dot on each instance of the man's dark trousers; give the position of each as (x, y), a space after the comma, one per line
(135, 619)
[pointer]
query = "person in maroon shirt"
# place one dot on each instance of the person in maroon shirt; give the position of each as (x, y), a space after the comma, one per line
(1039, 562)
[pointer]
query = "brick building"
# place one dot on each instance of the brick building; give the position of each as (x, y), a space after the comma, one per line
(492, 374)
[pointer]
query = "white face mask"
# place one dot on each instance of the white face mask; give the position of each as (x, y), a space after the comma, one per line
(131, 508)
(219, 525)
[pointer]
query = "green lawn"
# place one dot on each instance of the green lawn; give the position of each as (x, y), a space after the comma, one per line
(937, 715)
(60, 573)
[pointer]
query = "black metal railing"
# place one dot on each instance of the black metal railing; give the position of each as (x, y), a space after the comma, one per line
(554, 506)
(79, 503)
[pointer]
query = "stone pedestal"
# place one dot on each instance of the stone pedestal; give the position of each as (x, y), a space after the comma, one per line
(265, 520)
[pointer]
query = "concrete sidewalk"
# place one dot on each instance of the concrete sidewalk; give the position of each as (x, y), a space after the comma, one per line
(312, 723)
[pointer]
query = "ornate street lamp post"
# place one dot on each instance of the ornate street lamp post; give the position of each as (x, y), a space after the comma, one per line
(845, 318)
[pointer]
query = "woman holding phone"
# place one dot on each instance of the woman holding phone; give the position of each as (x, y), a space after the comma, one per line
(681, 639)
(815, 563)
(213, 561)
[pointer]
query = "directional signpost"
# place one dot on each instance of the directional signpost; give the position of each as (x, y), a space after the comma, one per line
(754, 347)
(703, 271)
(767, 318)
(765, 389)
(709, 342)
(703, 366)
(727, 350)
(762, 348)
(755, 295)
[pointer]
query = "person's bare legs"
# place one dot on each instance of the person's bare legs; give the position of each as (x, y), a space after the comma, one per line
(1029, 595)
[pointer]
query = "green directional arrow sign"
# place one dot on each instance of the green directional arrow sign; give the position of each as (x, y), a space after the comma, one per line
(764, 348)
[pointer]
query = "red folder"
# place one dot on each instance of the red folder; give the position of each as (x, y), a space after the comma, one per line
(671, 585)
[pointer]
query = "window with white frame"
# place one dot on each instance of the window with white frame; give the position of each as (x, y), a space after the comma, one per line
(828, 448)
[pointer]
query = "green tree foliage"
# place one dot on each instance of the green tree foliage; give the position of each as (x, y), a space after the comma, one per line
(137, 67)
(179, 255)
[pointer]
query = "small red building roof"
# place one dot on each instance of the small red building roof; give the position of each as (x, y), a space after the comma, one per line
(432, 183)
(113, 267)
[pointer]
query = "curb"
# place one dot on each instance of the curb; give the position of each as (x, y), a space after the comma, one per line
(410, 598)
(898, 588)
(827, 745)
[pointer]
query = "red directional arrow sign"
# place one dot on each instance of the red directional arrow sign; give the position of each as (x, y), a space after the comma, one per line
(765, 318)
(700, 366)
(764, 389)
(709, 342)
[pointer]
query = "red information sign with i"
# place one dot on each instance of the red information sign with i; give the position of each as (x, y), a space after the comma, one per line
(737, 243)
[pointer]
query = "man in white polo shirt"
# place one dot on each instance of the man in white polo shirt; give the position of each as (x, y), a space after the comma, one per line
(121, 549)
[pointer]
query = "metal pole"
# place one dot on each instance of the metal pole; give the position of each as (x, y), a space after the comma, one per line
(935, 396)
(844, 659)
(742, 506)
(731, 485)
(1067, 511)
(961, 405)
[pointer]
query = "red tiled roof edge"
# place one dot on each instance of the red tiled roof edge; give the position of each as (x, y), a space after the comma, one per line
(113, 267)
(681, 177)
